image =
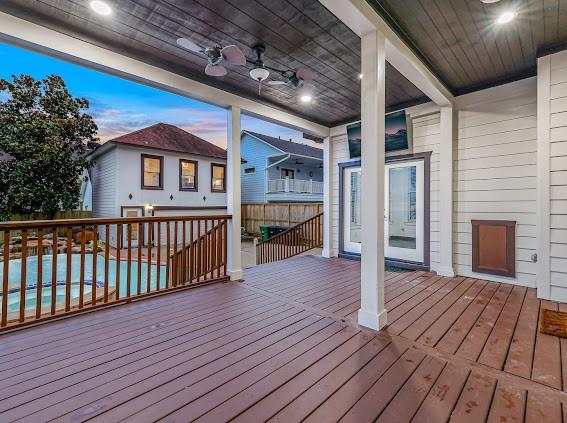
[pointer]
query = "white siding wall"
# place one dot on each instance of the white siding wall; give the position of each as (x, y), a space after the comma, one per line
(105, 185)
(427, 137)
(558, 175)
(495, 177)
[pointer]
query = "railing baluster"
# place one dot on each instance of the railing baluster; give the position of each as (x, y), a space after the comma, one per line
(205, 250)
(39, 289)
(140, 246)
(54, 252)
(23, 276)
(158, 258)
(175, 264)
(213, 248)
(6, 246)
(82, 274)
(191, 253)
(198, 250)
(106, 260)
(225, 246)
(118, 257)
(69, 247)
(149, 258)
(167, 253)
(184, 254)
(129, 261)
(95, 256)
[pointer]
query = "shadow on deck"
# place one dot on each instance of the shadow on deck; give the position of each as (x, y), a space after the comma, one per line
(284, 346)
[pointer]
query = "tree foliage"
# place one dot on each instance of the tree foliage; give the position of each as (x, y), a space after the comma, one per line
(44, 136)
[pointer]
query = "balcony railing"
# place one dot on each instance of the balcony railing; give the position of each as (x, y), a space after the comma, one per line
(54, 268)
(298, 186)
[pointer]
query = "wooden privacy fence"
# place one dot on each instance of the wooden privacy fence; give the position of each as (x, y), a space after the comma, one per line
(294, 241)
(277, 214)
(49, 276)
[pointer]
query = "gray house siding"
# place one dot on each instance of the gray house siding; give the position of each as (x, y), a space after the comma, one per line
(253, 184)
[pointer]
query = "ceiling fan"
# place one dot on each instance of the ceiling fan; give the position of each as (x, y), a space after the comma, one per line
(293, 78)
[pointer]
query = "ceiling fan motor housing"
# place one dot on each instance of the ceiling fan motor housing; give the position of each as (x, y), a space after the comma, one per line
(213, 55)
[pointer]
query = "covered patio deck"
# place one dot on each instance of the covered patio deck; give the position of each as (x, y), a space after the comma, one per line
(284, 346)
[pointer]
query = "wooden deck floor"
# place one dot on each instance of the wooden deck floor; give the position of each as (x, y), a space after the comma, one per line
(283, 346)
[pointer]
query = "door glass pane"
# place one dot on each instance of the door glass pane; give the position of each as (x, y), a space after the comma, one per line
(355, 207)
(402, 216)
(133, 226)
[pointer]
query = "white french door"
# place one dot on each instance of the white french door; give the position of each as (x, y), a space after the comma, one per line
(403, 214)
(351, 211)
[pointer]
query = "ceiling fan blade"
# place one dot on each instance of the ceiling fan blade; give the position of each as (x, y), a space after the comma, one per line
(276, 82)
(215, 70)
(189, 45)
(304, 74)
(233, 55)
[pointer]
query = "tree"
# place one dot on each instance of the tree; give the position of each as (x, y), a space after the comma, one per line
(44, 136)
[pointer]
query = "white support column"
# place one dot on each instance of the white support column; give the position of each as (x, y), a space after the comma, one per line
(328, 241)
(372, 313)
(233, 194)
(448, 135)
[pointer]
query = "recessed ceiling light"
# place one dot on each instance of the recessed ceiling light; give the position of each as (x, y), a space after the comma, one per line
(360, 76)
(306, 98)
(101, 7)
(489, 1)
(506, 17)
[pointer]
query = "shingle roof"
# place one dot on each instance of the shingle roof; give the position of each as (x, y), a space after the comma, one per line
(289, 146)
(163, 136)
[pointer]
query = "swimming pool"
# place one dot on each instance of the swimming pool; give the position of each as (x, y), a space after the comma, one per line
(14, 275)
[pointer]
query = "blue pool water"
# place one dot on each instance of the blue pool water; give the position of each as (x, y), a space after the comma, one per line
(14, 277)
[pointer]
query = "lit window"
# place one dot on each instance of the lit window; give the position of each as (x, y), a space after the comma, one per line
(218, 180)
(250, 170)
(152, 172)
(188, 175)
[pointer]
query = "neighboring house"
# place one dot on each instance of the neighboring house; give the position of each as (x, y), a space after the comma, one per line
(160, 170)
(278, 170)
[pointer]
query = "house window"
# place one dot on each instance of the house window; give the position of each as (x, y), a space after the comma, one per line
(218, 178)
(152, 172)
(249, 170)
(188, 175)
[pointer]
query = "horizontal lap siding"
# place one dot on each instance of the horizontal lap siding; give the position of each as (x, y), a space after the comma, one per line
(495, 168)
(340, 154)
(105, 182)
(558, 174)
(426, 131)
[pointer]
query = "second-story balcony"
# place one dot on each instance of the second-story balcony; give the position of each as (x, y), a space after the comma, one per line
(289, 189)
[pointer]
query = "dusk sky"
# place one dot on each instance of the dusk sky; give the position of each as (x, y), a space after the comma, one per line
(120, 106)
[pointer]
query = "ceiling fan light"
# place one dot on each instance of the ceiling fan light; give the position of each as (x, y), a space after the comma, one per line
(506, 17)
(259, 74)
(101, 7)
(306, 98)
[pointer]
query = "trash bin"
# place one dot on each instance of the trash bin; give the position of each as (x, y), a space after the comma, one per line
(265, 232)
(274, 230)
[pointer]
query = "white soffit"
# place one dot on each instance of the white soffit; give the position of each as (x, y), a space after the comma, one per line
(43, 40)
(359, 16)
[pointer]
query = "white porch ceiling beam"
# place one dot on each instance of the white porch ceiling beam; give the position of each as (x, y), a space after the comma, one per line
(44, 40)
(361, 18)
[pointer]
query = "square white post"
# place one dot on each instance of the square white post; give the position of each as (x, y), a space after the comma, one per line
(372, 313)
(234, 259)
(328, 246)
(448, 134)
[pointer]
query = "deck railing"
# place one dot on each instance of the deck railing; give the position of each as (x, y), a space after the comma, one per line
(297, 186)
(296, 240)
(60, 267)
